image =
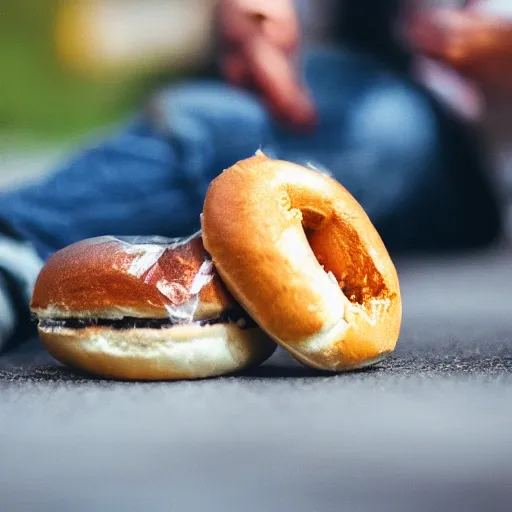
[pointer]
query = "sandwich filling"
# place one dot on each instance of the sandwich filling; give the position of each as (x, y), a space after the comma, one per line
(232, 316)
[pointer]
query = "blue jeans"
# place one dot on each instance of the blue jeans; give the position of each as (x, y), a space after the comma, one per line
(415, 170)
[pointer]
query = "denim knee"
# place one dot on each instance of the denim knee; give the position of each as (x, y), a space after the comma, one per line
(392, 139)
(413, 165)
(210, 125)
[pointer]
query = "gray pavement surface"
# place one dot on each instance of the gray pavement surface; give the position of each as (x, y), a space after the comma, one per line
(428, 430)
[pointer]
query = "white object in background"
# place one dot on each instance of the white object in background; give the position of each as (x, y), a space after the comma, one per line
(98, 36)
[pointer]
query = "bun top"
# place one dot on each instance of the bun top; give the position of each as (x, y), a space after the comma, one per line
(142, 277)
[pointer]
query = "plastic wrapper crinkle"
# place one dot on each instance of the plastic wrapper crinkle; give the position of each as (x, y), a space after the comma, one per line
(170, 266)
(112, 278)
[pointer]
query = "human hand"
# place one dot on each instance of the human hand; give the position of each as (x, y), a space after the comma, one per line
(260, 43)
(475, 44)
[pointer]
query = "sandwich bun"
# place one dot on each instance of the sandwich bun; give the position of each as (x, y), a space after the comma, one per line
(144, 309)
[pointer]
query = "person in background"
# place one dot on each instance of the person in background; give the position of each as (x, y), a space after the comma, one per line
(356, 111)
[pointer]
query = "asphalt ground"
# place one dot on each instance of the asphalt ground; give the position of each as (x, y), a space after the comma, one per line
(429, 429)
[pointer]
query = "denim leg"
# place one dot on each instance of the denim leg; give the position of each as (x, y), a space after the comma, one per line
(145, 180)
(116, 185)
(378, 135)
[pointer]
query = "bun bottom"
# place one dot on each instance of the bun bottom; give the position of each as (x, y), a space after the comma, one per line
(326, 360)
(338, 349)
(178, 353)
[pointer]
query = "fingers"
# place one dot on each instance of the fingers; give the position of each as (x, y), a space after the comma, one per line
(280, 27)
(476, 45)
(460, 38)
(234, 68)
(259, 48)
(273, 19)
(274, 75)
(439, 33)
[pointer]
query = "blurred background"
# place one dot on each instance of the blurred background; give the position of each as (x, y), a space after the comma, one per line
(72, 68)
(430, 427)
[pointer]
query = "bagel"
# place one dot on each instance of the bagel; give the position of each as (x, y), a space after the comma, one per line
(144, 309)
(302, 257)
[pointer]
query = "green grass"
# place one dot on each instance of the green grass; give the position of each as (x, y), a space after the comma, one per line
(39, 101)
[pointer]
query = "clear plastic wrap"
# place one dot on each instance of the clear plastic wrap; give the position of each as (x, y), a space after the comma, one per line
(148, 308)
(180, 294)
(131, 281)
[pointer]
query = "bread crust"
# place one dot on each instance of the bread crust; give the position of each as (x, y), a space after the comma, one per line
(180, 352)
(287, 242)
(108, 277)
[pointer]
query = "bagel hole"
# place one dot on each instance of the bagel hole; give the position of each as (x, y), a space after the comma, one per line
(344, 257)
(312, 220)
(359, 285)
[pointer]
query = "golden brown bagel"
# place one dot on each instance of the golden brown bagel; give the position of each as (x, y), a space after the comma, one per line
(143, 309)
(304, 260)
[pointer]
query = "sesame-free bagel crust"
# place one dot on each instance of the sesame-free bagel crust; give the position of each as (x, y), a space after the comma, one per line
(302, 257)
